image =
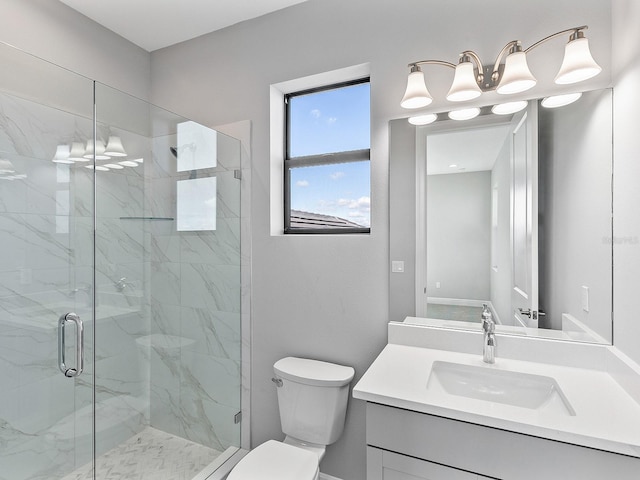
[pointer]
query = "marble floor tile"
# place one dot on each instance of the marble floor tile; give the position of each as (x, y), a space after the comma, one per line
(150, 455)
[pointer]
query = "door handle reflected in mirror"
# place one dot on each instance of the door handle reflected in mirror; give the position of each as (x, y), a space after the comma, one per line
(526, 313)
(529, 313)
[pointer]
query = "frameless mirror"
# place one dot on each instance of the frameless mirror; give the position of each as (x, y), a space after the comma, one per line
(512, 211)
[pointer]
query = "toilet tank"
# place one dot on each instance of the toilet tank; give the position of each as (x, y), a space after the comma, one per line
(312, 398)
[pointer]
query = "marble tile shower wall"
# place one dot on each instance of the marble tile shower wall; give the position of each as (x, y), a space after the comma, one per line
(168, 344)
(195, 304)
(46, 233)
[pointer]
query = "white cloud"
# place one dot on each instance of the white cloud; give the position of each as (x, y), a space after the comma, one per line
(332, 120)
(337, 175)
(364, 202)
(302, 183)
(315, 113)
(356, 209)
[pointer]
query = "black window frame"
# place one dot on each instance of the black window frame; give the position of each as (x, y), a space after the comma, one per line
(330, 158)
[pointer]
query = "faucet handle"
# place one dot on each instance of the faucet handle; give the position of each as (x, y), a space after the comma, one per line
(488, 325)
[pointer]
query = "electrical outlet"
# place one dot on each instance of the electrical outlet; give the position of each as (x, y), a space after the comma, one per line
(584, 298)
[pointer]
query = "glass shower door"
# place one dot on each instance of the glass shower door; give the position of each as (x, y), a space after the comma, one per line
(168, 292)
(119, 221)
(46, 269)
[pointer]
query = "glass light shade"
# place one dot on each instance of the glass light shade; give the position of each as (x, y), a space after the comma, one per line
(62, 154)
(578, 64)
(114, 147)
(464, 86)
(77, 152)
(129, 163)
(425, 119)
(516, 77)
(99, 150)
(464, 114)
(100, 168)
(509, 107)
(560, 100)
(6, 166)
(416, 95)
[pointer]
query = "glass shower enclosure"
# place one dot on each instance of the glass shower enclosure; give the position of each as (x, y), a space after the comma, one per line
(119, 283)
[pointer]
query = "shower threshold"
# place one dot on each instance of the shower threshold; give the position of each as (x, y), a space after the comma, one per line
(152, 455)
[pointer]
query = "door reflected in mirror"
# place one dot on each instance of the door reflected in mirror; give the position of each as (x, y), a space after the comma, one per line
(510, 211)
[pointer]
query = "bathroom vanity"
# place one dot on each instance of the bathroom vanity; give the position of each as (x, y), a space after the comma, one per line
(546, 409)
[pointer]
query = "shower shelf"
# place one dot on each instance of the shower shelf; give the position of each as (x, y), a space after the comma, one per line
(170, 219)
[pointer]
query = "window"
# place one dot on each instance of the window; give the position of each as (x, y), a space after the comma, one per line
(327, 168)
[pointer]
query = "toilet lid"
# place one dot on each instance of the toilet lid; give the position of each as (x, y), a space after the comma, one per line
(276, 461)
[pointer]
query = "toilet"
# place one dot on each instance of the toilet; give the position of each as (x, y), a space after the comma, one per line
(312, 398)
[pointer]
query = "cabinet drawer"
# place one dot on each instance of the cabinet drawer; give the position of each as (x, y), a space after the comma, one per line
(491, 452)
(385, 465)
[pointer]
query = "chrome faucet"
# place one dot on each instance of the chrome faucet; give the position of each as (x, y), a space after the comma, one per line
(489, 329)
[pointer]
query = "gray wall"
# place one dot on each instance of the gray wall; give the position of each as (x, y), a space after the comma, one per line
(402, 218)
(626, 41)
(327, 296)
(52, 31)
(459, 235)
(575, 170)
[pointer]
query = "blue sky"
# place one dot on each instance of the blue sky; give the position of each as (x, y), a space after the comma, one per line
(332, 121)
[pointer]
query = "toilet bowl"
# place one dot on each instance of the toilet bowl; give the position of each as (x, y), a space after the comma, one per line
(275, 460)
(312, 399)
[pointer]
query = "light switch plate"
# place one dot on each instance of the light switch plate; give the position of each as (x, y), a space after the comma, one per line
(397, 266)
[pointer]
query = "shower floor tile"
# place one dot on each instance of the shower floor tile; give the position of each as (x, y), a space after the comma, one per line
(150, 455)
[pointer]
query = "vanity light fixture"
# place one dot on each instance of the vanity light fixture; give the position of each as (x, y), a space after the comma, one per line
(425, 119)
(509, 107)
(560, 100)
(472, 78)
(129, 163)
(62, 155)
(6, 167)
(464, 113)
(100, 168)
(77, 152)
(114, 147)
(99, 150)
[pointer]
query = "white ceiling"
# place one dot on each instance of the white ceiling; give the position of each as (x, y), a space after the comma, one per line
(470, 150)
(154, 24)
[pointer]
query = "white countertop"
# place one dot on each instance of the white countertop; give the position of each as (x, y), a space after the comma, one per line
(607, 417)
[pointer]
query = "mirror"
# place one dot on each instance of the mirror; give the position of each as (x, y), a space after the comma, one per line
(510, 211)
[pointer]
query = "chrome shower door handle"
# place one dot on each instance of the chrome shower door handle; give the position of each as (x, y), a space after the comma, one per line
(67, 371)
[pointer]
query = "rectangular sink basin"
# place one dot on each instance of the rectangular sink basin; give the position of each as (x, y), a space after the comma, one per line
(517, 389)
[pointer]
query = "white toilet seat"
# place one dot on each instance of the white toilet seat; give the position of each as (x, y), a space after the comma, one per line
(275, 460)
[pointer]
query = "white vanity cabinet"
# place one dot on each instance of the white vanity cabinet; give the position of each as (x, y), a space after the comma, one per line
(407, 445)
(385, 465)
